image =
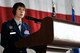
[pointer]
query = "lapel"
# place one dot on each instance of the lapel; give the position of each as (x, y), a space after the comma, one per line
(13, 23)
(22, 28)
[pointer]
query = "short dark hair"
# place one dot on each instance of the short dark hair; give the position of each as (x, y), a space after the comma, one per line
(16, 5)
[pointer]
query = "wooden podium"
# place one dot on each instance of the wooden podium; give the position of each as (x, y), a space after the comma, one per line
(42, 37)
(45, 36)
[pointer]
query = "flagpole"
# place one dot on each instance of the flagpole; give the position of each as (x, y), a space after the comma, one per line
(73, 12)
(53, 9)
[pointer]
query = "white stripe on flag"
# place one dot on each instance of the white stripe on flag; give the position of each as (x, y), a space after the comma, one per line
(63, 7)
(41, 5)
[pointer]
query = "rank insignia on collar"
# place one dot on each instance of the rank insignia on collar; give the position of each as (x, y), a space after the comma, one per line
(11, 27)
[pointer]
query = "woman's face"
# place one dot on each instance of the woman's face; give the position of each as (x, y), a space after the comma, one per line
(20, 12)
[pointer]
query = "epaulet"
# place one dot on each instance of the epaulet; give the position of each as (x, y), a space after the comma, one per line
(6, 23)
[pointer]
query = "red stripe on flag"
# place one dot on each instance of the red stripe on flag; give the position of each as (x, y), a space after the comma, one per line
(78, 19)
(68, 17)
(6, 14)
(64, 17)
(38, 14)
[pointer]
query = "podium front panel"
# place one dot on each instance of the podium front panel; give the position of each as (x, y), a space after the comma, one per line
(66, 33)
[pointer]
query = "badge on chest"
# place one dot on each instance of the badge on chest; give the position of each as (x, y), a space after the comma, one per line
(26, 32)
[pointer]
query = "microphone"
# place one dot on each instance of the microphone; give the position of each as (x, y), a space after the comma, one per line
(33, 19)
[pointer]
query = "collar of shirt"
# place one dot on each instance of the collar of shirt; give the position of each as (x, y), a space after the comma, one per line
(18, 22)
